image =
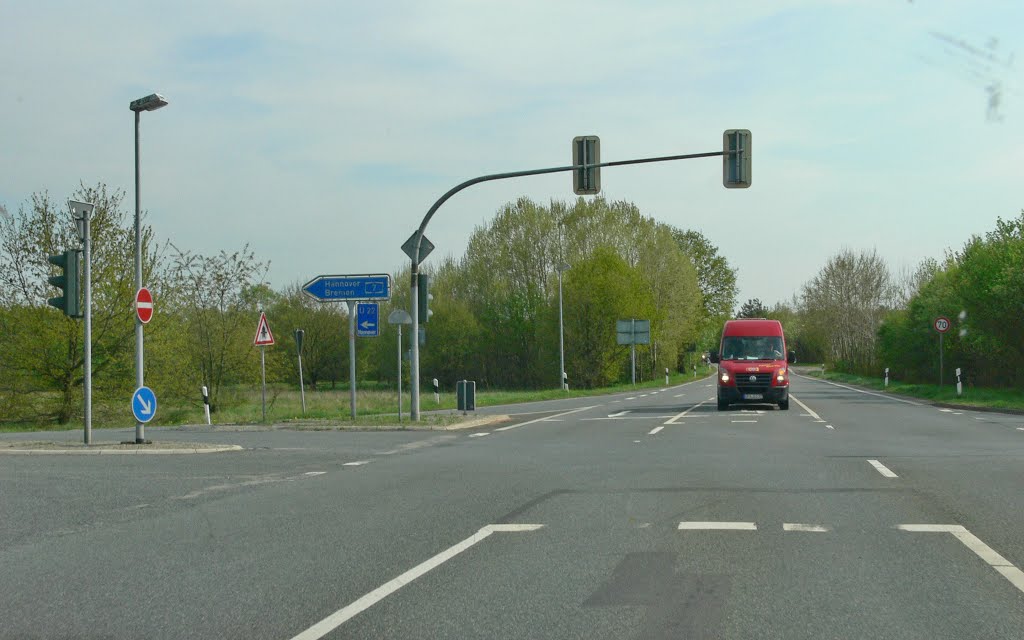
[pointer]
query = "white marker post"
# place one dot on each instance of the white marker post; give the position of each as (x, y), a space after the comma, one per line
(887, 376)
(206, 404)
(959, 386)
(437, 393)
(666, 373)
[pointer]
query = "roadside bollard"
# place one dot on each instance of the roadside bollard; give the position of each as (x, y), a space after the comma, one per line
(959, 387)
(437, 393)
(887, 376)
(206, 404)
(666, 373)
(565, 381)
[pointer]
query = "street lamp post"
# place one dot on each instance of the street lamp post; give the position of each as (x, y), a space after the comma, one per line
(561, 339)
(151, 102)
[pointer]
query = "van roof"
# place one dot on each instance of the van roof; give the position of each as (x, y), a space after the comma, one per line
(752, 327)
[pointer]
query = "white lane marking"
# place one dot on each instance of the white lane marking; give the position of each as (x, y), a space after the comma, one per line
(882, 469)
(673, 419)
(655, 430)
(618, 415)
(805, 407)
(717, 526)
(805, 415)
(974, 543)
(637, 441)
(679, 395)
(744, 421)
(828, 426)
(616, 401)
(633, 398)
(557, 415)
(1020, 428)
(946, 410)
(870, 393)
(356, 464)
(315, 473)
(813, 528)
(339, 617)
(958, 413)
(643, 395)
(479, 435)
(548, 420)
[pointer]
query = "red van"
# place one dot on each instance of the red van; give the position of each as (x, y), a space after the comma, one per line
(752, 363)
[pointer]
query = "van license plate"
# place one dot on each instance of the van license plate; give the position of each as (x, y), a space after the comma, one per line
(753, 396)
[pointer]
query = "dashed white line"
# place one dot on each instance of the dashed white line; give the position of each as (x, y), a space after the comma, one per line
(356, 464)
(972, 542)
(673, 419)
(813, 528)
(882, 469)
(744, 420)
(315, 473)
(806, 408)
(339, 617)
(1020, 428)
(679, 395)
(717, 526)
(479, 435)
(633, 398)
(655, 430)
(557, 415)
(617, 415)
(946, 410)
(828, 426)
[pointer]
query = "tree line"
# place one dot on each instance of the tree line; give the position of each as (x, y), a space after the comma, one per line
(495, 308)
(860, 316)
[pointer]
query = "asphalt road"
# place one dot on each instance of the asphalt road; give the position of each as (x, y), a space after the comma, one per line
(648, 515)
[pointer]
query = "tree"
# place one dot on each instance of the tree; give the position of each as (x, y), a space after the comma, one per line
(753, 308)
(716, 279)
(216, 303)
(845, 304)
(43, 348)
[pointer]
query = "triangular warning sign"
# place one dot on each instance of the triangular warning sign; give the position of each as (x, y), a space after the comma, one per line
(263, 335)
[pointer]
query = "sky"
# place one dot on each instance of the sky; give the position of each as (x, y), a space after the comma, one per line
(320, 133)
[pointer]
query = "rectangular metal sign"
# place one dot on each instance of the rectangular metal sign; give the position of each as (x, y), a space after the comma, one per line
(367, 320)
(633, 331)
(339, 288)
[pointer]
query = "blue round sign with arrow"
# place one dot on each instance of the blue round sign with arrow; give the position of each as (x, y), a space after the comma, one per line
(144, 404)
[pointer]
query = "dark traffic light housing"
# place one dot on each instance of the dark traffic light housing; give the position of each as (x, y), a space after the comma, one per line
(423, 292)
(70, 263)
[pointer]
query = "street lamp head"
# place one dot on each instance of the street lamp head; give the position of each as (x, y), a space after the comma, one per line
(151, 102)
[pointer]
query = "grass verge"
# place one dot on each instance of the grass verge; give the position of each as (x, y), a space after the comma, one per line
(331, 409)
(981, 397)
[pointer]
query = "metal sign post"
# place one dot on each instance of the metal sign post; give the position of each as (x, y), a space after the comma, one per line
(82, 213)
(350, 289)
(299, 333)
(399, 317)
(263, 338)
(941, 325)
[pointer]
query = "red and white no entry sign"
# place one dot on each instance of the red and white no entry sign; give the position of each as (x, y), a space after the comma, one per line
(144, 305)
(942, 324)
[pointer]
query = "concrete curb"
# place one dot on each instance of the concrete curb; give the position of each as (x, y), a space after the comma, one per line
(116, 452)
(476, 422)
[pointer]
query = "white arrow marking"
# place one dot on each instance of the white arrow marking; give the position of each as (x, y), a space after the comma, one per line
(146, 407)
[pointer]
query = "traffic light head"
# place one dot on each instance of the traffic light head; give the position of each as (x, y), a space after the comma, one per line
(69, 263)
(424, 297)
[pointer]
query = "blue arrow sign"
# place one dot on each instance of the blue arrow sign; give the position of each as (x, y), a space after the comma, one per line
(367, 314)
(330, 288)
(144, 404)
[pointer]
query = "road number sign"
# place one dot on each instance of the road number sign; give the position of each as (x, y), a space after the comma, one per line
(942, 324)
(144, 305)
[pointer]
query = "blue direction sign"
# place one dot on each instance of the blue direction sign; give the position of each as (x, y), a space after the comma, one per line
(367, 314)
(331, 288)
(144, 404)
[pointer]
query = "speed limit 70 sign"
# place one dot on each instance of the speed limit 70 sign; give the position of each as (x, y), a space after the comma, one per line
(942, 324)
